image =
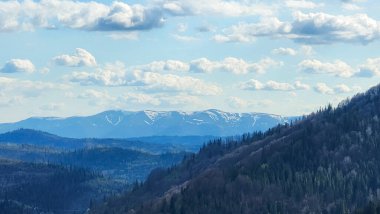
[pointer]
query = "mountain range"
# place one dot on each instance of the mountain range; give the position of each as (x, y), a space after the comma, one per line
(127, 124)
(328, 162)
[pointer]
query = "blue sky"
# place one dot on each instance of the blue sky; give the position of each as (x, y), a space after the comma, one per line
(288, 57)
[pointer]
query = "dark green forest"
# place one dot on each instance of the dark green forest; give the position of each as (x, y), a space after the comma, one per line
(328, 162)
(38, 188)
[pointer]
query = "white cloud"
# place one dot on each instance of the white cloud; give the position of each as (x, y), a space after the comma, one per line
(322, 88)
(9, 15)
(309, 28)
(117, 75)
(302, 4)
(116, 16)
(204, 65)
(337, 68)
(80, 58)
(155, 82)
(168, 65)
(233, 65)
(271, 85)
(27, 15)
(216, 7)
(301, 86)
(244, 32)
(110, 75)
(285, 51)
(304, 50)
(326, 28)
(370, 68)
(342, 88)
(18, 66)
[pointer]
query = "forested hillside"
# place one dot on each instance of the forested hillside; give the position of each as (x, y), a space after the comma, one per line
(46, 188)
(328, 162)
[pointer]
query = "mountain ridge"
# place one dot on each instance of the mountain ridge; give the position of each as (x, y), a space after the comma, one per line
(127, 124)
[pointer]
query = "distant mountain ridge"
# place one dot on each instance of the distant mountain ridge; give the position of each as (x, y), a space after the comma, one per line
(127, 124)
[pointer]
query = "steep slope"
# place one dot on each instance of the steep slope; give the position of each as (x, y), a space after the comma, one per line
(125, 124)
(328, 162)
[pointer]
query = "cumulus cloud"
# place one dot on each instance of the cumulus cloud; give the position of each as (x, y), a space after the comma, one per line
(18, 66)
(27, 15)
(304, 50)
(110, 75)
(168, 65)
(323, 88)
(80, 58)
(342, 88)
(326, 28)
(247, 32)
(310, 28)
(370, 68)
(118, 75)
(204, 65)
(115, 16)
(285, 51)
(233, 65)
(337, 68)
(168, 82)
(255, 85)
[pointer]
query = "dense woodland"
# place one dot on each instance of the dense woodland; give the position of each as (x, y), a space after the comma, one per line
(38, 188)
(328, 162)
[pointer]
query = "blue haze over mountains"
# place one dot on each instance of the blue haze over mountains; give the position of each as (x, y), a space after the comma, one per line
(128, 124)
